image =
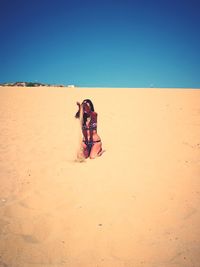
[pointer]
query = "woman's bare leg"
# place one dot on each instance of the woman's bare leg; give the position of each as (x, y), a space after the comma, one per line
(96, 150)
(83, 152)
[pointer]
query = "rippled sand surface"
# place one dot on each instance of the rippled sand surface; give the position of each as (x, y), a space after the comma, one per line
(136, 206)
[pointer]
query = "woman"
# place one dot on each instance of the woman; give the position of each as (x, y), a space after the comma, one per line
(91, 144)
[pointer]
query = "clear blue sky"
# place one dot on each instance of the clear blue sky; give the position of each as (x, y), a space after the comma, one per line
(114, 43)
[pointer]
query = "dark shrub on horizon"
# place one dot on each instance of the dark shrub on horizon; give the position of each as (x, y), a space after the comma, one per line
(30, 84)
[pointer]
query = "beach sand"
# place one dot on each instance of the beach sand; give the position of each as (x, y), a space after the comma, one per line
(136, 206)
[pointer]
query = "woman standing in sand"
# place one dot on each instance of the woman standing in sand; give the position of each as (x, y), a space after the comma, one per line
(91, 144)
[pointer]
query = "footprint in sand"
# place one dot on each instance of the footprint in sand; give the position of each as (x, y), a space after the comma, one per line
(3, 264)
(190, 212)
(30, 239)
(3, 225)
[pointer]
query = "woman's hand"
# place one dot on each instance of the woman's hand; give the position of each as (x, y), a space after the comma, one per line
(78, 112)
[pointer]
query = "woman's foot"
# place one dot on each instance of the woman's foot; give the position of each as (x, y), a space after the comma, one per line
(98, 154)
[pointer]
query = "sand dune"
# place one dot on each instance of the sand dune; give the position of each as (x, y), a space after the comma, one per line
(136, 206)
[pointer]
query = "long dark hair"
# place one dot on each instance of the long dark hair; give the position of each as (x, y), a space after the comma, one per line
(85, 115)
(88, 101)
